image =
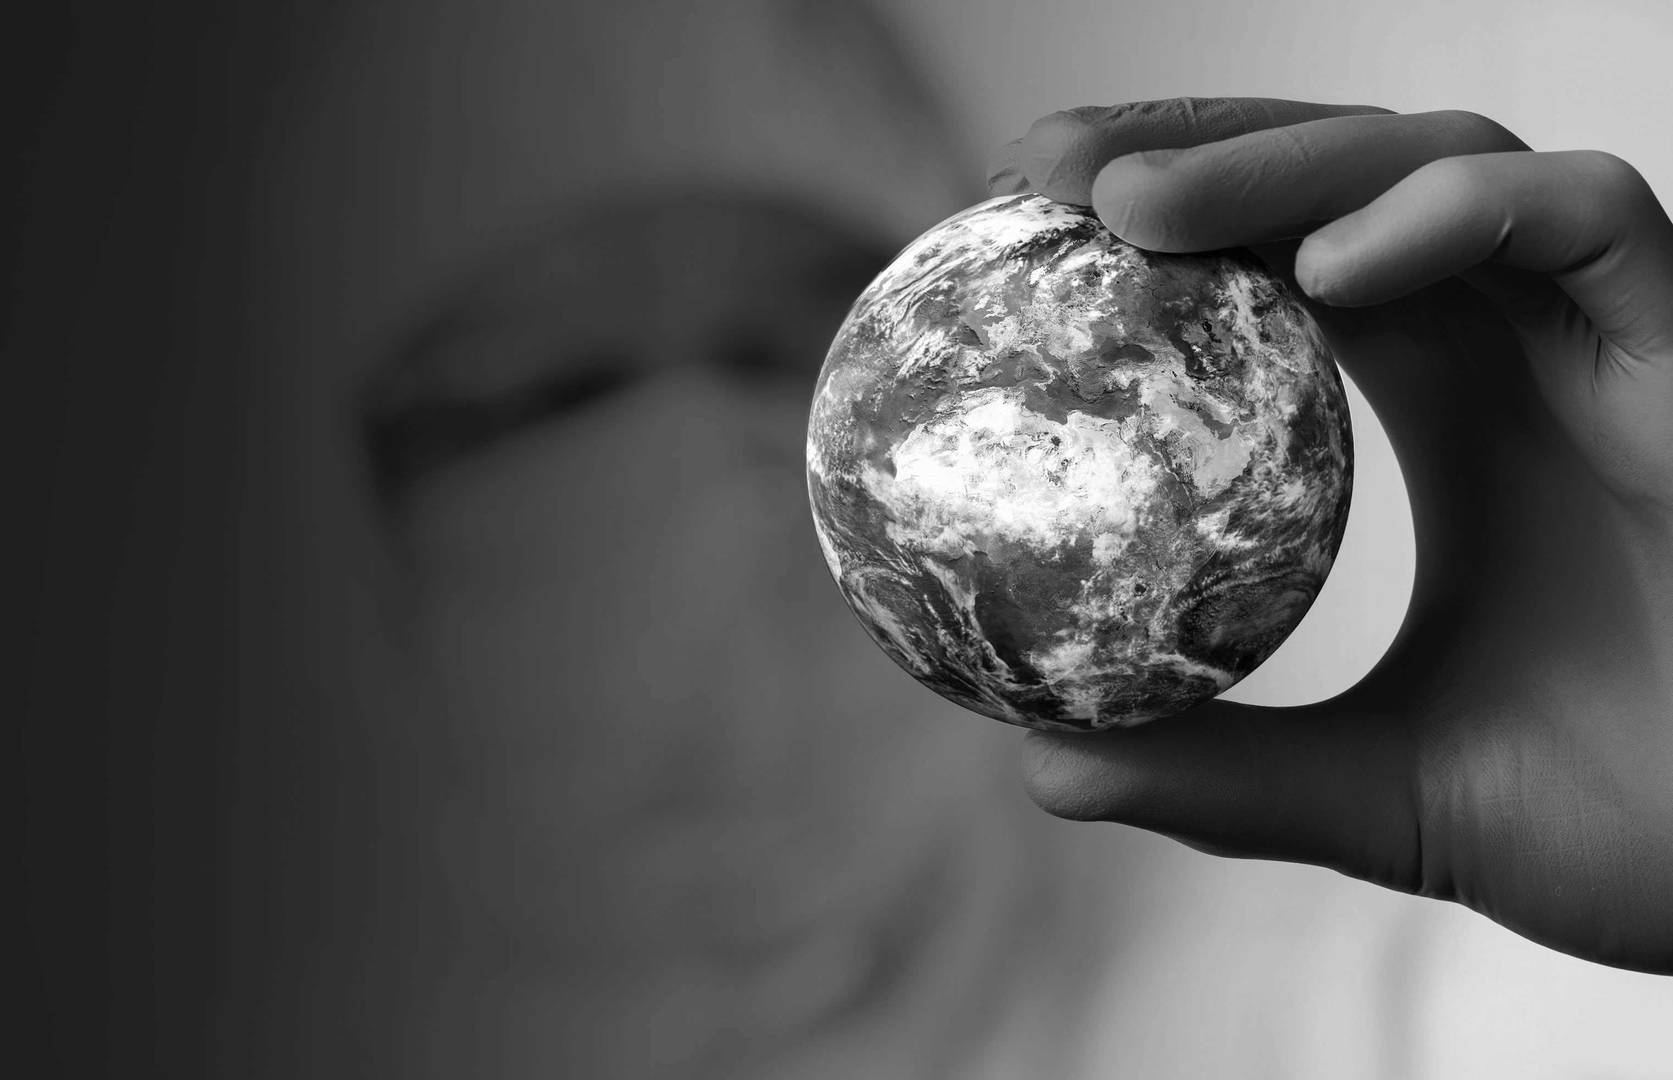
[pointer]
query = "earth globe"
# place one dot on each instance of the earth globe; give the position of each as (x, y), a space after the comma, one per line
(1070, 484)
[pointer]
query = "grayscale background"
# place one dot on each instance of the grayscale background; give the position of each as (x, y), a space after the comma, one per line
(429, 670)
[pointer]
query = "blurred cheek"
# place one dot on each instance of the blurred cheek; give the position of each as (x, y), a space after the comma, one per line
(653, 680)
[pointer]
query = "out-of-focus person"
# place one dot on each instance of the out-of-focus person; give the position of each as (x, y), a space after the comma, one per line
(542, 744)
(435, 671)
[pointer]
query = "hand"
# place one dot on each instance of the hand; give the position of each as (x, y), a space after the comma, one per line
(1509, 315)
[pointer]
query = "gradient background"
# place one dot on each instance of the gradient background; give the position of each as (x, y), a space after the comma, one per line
(1562, 76)
(308, 795)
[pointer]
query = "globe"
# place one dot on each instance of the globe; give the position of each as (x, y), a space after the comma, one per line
(1070, 484)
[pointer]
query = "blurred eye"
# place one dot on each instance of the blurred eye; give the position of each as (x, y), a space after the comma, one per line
(406, 439)
(750, 356)
(756, 360)
(751, 291)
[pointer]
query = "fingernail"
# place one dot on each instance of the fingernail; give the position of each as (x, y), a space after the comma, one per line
(1009, 182)
(1005, 175)
(1051, 156)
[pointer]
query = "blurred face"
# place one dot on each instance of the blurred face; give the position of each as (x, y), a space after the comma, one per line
(546, 293)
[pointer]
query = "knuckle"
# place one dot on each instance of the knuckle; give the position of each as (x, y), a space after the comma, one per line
(1482, 134)
(1462, 177)
(1613, 175)
(1168, 108)
(1094, 114)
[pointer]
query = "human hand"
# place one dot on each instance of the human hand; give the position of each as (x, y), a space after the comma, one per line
(1509, 315)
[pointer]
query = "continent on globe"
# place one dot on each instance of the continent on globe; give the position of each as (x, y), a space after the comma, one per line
(1070, 484)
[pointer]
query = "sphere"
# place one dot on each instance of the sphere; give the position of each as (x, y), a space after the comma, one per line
(1070, 484)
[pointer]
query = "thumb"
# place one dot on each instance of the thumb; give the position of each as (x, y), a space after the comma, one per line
(1324, 784)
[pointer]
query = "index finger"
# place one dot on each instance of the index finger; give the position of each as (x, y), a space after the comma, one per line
(1062, 152)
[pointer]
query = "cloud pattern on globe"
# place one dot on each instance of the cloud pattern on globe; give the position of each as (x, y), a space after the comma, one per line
(1070, 484)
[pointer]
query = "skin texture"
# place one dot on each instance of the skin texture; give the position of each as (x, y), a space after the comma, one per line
(1507, 314)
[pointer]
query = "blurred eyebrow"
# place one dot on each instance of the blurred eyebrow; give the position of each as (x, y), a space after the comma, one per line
(404, 442)
(496, 355)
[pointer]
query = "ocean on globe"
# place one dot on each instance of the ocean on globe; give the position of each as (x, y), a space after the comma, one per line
(1070, 484)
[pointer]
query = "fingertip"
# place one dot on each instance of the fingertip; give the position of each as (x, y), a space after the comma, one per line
(1060, 779)
(1005, 175)
(1131, 775)
(1058, 156)
(1336, 266)
(1319, 269)
(1134, 199)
